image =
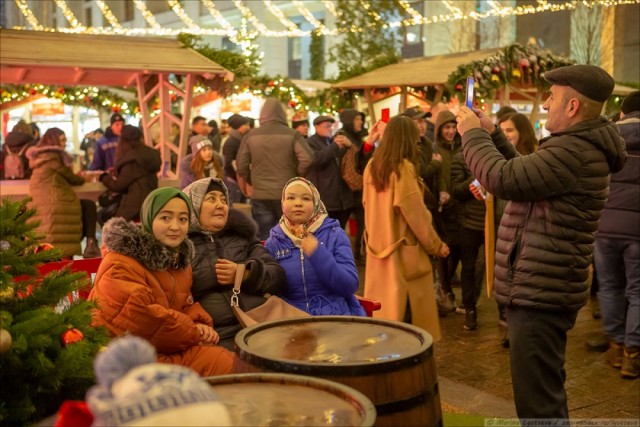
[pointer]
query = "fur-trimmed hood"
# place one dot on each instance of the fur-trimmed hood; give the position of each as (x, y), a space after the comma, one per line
(40, 155)
(127, 238)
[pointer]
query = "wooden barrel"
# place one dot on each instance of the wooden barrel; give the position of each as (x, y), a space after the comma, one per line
(389, 362)
(291, 400)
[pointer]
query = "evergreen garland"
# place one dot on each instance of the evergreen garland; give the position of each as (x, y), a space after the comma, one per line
(316, 51)
(47, 344)
(515, 65)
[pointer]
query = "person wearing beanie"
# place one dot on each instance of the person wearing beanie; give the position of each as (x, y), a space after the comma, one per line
(105, 151)
(143, 287)
(203, 162)
(225, 237)
(268, 157)
(133, 389)
(616, 251)
(135, 175)
(300, 122)
(239, 128)
(545, 241)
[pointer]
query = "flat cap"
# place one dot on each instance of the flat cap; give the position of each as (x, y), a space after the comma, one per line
(415, 113)
(322, 119)
(236, 120)
(631, 103)
(299, 118)
(588, 80)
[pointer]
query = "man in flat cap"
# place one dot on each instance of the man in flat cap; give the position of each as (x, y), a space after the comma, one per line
(325, 172)
(545, 240)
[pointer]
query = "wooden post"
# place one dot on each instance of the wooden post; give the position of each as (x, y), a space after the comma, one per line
(369, 98)
(403, 98)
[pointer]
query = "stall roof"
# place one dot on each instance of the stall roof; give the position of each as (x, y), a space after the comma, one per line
(81, 59)
(416, 72)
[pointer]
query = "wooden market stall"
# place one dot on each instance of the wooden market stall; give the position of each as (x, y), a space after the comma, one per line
(153, 65)
(429, 71)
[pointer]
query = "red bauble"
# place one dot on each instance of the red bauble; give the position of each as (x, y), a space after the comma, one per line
(60, 90)
(496, 70)
(174, 97)
(33, 92)
(458, 87)
(292, 104)
(71, 336)
(272, 83)
(116, 109)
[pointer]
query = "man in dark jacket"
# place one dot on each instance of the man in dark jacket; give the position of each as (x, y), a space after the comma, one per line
(239, 127)
(617, 251)
(325, 170)
(104, 156)
(269, 156)
(545, 240)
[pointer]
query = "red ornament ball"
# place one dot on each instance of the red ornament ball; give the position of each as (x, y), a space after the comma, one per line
(115, 109)
(272, 83)
(496, 70)
(71, 336)
(458, 87)
(60, 90)
(33, 92)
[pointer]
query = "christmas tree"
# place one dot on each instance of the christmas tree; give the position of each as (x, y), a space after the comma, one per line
(47, 345)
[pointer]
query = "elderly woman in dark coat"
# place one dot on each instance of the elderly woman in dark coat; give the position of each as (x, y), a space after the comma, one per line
(225, 237)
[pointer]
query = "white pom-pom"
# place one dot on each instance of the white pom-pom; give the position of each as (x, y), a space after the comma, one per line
(120, 356)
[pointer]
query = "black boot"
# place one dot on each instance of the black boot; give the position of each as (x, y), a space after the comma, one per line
(92, 250)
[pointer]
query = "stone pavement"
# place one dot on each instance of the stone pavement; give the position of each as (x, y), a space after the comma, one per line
(474, 374)
(477, 368)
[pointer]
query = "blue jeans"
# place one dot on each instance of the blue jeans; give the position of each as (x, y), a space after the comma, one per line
(266, 213)
(617, 263)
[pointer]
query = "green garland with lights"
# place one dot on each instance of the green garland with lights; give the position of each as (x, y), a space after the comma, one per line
(515, 65)
(83, 96)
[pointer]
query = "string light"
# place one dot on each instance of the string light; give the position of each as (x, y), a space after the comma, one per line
(107, 14)
(68, 14)
(330, 7)
(416, 16)
(148, 16)
(26, 12)
(278, 14)
(156, 30)
(218, 16)
(179, 11)
(309, 17)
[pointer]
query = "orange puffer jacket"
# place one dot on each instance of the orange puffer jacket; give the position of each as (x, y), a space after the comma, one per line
(144, 288)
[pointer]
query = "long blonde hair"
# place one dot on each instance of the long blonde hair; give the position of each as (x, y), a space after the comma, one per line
(399, 142)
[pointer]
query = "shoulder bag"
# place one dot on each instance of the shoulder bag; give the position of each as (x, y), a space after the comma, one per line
(274, 308)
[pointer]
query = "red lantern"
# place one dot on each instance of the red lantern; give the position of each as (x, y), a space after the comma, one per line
(71, 336)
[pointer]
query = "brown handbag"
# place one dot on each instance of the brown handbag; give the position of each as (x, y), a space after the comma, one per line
(274, 308)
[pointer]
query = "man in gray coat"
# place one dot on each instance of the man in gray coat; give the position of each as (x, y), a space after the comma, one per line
(269, 156)
(545, 240)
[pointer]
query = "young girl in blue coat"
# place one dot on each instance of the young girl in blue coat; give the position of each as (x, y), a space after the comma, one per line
(315, 253)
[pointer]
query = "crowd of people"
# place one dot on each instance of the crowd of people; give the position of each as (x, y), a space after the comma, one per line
(416, 187)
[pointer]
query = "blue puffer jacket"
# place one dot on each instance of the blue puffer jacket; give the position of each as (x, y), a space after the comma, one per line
(324, 283)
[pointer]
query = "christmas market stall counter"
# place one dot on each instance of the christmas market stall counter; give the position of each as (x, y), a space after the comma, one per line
(19, 188)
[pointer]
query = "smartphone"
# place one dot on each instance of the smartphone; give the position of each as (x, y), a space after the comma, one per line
(384, 115)
(479, 186)
(469, 98)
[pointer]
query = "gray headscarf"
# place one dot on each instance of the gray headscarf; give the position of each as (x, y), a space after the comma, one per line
(196, 192)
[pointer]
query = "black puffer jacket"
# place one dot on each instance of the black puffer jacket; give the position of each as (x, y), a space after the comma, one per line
(545, 239)
(473, 211)
(136, 173)
(236, 242)
(621, 216)
(326, 175)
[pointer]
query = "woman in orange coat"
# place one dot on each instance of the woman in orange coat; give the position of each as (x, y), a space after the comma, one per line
(143, 286)
(398, 269)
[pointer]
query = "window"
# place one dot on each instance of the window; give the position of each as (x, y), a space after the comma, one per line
(413, 43)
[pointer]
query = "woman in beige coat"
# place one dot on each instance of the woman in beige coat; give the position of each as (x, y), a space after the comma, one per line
(400, 234)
